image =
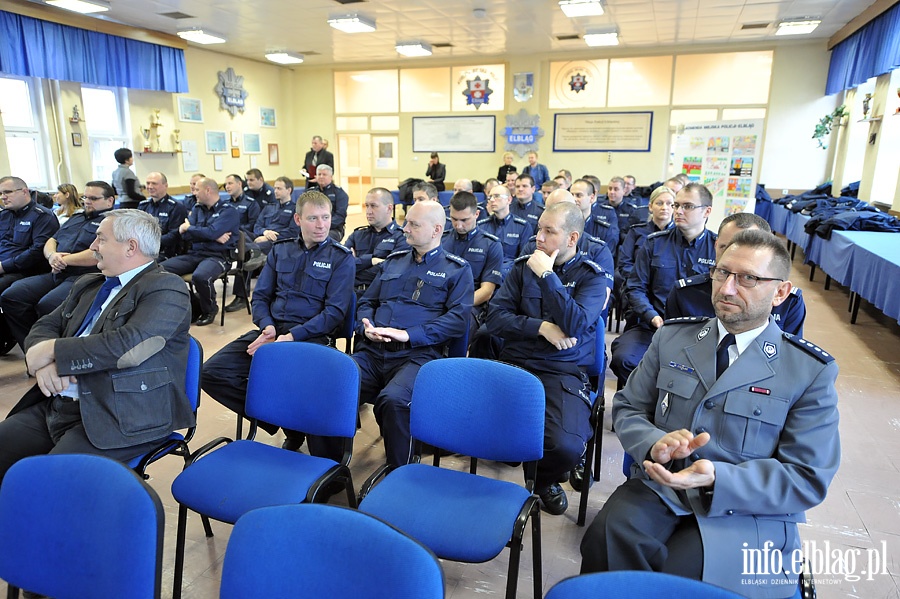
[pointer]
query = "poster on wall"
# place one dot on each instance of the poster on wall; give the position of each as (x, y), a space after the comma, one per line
(190, 156)
(724, 156)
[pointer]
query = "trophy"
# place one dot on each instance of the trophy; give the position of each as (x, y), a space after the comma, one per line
(155, 118)
(865, 105)
(146, 134)
(177, 134)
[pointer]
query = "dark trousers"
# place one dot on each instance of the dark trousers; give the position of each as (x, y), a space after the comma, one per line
(635, 530)
(32, 297)
(53, 426)
(628, 349)
(224, 378)
(6, 280)
(386, 381)
(205, 271)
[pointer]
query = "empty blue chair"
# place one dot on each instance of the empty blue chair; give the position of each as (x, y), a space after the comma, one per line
(80, 526)
(646, 585)
(325, 551)
(486, 410)
(243, 475)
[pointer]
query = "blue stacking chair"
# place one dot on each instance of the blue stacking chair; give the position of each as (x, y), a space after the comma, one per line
(80, 526)
(485, 410)
(594, 451)
(646, 585)
(245, 474)
(325, 551)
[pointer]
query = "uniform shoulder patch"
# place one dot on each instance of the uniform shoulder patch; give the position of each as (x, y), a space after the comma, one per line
(398, 253)
(686, 320)
(455, 258)
(607, 207)
(691, 281)
(796, 291)
(283, 240)
(521, 258)
(593, 239)
(361, 228)
(532, 238)
(44, 209)
(490, 236)
(483, 221)
(593, 265)
(598, 220)
(810, 348)
(659, 233)
(341, 246)
(520, 220)
(143, 203)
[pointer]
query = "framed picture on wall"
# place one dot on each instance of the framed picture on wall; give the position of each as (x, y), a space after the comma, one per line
(273, 153)
(251, 143)
(235, 139)
(216, 142)
(76, 139)
(235, 152)
(190, 110)
(266, 117)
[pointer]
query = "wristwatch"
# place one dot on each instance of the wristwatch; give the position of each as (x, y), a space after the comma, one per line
(546, 274)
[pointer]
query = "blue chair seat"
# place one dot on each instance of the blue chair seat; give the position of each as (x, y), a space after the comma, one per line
(173, 442)
(460, 516)
(227, 483)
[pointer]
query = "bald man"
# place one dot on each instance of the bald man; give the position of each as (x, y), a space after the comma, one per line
(419, 302)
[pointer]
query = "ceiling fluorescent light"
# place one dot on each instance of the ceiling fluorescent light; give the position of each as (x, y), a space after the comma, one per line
(413, 49)
(798, 26)
(581, 8)
(85, 7)
(202, 36)
(353, 23)
(601, 38)
(285, 57)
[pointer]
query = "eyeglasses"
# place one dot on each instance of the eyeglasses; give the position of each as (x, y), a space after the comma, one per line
(744, 280)
(688, 207)
(93, 198)
(9, 192)
(415, 295)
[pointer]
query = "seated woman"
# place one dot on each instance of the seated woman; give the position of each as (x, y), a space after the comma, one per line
(68, 202)
(436, 172)
(508, 166)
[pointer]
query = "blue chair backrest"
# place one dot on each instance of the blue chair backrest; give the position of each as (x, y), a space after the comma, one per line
(444, 197)
(324, 403)
(646, 585)
(349, 324)
(598, 366)
(80, 526)
(297, 192)
(192, 376)
(479, 408)
(313, 550)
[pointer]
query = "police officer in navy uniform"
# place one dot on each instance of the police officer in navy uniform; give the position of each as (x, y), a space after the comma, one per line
(303, 294)
(167, 211)
(660, 209)
(25, 226)
(212, 228)
(276, 221)
(512, 231)
(248, 209)
(374, 242)
(546, 313)
(258, 190)
(693, 296)
(69, 256)
(686, 250)
(615, 191)
(481, 250)
(599, 219)
(340, 201)
(526, 205)
(419, 302)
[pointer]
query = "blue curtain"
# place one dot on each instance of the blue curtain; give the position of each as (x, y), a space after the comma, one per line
(873, 50)
(35, 48)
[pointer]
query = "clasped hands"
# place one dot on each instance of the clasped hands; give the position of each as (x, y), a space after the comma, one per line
(675, 446)
(383, 334)
(41, 361)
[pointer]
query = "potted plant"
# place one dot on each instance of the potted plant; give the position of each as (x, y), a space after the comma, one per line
(826, 123)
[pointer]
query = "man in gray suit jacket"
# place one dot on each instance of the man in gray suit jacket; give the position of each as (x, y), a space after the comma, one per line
(110, 361)
(734, 428)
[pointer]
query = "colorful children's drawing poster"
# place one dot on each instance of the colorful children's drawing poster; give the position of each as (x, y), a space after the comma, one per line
(692, 165)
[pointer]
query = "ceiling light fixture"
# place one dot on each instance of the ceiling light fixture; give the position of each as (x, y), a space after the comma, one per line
(606, 37)
(285, 57)
(800, 26)
(352, 23)
(581, 8)
(412, 49)
(85, 7)
(202, 36)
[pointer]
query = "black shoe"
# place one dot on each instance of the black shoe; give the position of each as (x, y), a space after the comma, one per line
(236, 305)
(554, 500)
(206, 319)
(563, 478)
(577, 477)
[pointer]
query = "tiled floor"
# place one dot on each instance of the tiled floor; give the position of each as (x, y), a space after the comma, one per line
(862, 510)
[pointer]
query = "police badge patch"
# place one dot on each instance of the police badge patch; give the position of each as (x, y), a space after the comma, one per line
(769, 349)
(703, 333)
(578, 82)
(477, 92)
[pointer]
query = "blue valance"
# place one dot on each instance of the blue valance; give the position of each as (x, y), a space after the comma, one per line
(36, 48)
(873, 50)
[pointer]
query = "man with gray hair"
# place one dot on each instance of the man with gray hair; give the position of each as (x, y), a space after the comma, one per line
(340, 201)
(110, 361)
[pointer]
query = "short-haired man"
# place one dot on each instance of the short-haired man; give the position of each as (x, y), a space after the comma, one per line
(69, 256)
(692, 296)
(615, 198)
(546, 312)
(276, 221)
(462, 185)
(424, 191)
(599, 220)
(303, 294)
(212, 229)
(167, 211)
(512, 231)
(537, 171)
(683, 251)
(374, 242)
(125, 181)
(419, 302)
(511, 182)
(110, 361)
(549, 187)
(247, 208)
(733, 425)
(318, 155)
(481, 250)
(526, 206)
(190, 200)
(340, 201)
(257, 188)
(565, 174)
(25, 226)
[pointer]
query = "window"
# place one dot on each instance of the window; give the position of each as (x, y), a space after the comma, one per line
(27, 148)
(103, 117)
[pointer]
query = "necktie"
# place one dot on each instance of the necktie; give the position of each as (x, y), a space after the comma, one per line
(101, 297)
(722, 354)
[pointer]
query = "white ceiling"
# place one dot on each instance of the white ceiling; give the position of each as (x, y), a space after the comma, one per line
(509, 27)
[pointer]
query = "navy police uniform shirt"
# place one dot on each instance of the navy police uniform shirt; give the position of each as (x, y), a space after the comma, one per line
(263, 196)
(77, 235)
(693, 297)
(368, 242)
(531, 211)
(591, 248)
(625, 213)
(248, 210)
(481, 250)
(277, 217)
(208, 224)
(603, 223)
(572, 298)
(23, 233)
(431, 300)
(340, 201)
(171, 215)
(666, 257)
(513, 233)
(634, 240)
(304, 291)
